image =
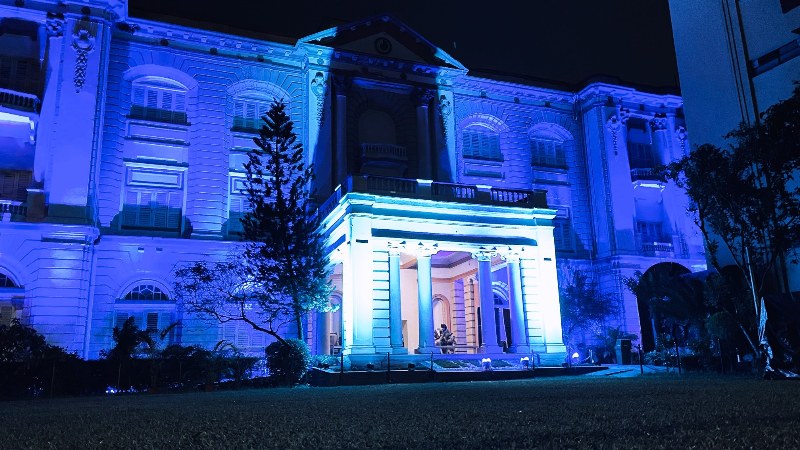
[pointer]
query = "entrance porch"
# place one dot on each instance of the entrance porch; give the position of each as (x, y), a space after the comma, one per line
(408, 263)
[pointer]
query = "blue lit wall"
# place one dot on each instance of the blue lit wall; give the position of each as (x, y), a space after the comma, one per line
(137, 113)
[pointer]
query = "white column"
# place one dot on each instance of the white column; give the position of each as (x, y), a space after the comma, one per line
(323, 333)
(340, 161)
(357, 270)
(489, 344)
(395, 303)
(422, 98)
(425, 298)
(519, 336)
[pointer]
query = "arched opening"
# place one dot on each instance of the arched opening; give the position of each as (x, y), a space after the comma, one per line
(441, 312)
(662, 291)
(151, 308)
(12, 297)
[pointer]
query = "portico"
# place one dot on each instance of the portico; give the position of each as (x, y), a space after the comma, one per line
(405, 265)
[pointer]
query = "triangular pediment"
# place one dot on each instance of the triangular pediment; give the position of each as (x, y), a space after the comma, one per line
(383, 37)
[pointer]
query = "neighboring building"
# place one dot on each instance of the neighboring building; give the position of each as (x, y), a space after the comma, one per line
(448, 198)
(735, 59)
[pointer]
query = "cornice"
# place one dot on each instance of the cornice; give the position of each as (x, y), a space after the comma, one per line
(510, 92)
(597, 93)
(210, 42)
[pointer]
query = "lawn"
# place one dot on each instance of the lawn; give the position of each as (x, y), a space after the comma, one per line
(664, 411)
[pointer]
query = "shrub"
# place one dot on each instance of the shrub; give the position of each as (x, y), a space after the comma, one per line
(288, 362)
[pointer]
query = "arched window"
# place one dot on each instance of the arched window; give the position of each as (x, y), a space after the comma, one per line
(151, 308)
(10, 299)
(147, 292)
(158, 99)
(480, 142)
(548, 153)
(549, 144)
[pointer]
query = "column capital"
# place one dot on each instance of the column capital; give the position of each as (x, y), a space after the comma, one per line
(484, 254)
(423, 249)
(422, 96)
(510, 254)
(395, 248)
(341, 84)
(659, 122)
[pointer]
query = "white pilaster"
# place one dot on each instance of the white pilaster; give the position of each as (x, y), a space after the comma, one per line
(489, 344)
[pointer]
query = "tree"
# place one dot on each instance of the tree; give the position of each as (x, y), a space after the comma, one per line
(282, 271)
(285, 250)
(584, 306)
(746, 198)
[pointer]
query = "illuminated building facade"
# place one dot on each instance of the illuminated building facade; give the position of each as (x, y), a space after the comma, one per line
(447, 198)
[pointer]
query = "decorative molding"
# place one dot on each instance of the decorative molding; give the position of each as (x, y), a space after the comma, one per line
(83, 33)
(318, 87)
(54, 25)
(395, 248)
(659, 122)
(682, 136)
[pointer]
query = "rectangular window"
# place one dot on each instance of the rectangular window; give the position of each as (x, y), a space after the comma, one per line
(548, 153)
(562, 234)
(152, 208)
(14, 184)
(158, 105)
(650, 232)
(481, 145)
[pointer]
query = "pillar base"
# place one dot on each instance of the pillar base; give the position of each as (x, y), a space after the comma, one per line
(360, 350)
(520, 349)
(399, 351)
(428, 350)
(491, 349)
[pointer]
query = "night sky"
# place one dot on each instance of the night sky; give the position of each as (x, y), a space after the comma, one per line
(566, 42)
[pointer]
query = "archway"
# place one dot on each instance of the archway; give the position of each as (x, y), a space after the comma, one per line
(660, 282)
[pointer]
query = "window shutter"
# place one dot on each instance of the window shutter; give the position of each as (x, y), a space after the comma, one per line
(229, 332)
(160, 209)
(6, 314)
(130, 210)
(151, 107)
(151, 321)
(120, 318)
(138, 95)
(174, 204)
(242, 336)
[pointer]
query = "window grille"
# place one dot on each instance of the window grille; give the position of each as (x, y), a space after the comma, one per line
(247, 115)
(146, 292)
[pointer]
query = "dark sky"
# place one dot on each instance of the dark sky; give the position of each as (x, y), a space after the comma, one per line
(567, 41)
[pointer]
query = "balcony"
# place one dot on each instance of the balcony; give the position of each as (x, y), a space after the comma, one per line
(437, 191)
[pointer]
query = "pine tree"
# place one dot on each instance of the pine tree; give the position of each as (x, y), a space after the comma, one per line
(284, 251)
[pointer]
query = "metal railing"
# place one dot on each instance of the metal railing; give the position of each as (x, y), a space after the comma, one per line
(439, 191)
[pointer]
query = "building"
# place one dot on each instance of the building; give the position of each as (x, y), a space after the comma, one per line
(737, 59)
(448, 198)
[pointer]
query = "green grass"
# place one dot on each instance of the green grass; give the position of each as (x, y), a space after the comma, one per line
(648, 412)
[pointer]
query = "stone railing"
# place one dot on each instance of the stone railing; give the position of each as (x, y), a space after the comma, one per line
(646, 174)
(19, 100)
(384, 151)
(12, 211)
(658, 249)
(433, 190)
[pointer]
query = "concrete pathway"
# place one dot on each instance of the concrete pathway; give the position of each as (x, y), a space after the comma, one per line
(620, 371)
